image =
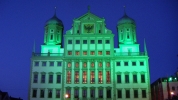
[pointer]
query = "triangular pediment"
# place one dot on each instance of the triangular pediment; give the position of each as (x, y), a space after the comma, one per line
(89, 17)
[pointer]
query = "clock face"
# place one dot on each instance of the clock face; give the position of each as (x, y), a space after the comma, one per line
(88, 28)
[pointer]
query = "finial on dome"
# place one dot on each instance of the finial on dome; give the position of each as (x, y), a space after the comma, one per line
(124, 9)
(88, 8)
(54, 11)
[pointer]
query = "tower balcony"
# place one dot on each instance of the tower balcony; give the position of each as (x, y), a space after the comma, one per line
(130, 54)
(47, 54)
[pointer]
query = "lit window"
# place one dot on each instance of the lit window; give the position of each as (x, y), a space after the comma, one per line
(92, 77)
(127, 93)
(50, 93)
(84, 64)
(34, 93)
(42, 92)
(118, 63)
(135, 93)
(36, 63)
(108, 93)
(35, 78)
(100, 64)
(141, 63)
(100, 93)
(84, 41)
(92, 64)
(142, 78)
(77, 53)
(107, 52)
(69, 52)
(92, 53)
(44, 63)
(92, 41)
(69, 41)
(107, 41)
(143, 93)
(68, 76)
(118, 78)
(134, 78)
(126, 78)
(126, 64)
(50, 78)
(84, 77)
(100, 77)
(69, 64)
(99, 52)
(84, 52)
(59, 63)
(43, 78)
(68, 92)
(133, 63)
(76, 77)
(58, 78)
(51, 64)
(119, 93)
(57, 93)
(77, 41)
(99, 41)
(77, 64)
(108, 80)
(107, 64)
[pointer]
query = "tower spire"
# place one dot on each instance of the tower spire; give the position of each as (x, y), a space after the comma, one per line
(124, 10)
(34, 47)
(88, 8)
(145, 49)
(54, 11)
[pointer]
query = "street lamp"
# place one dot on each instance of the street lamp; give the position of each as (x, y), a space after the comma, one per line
(66, 96)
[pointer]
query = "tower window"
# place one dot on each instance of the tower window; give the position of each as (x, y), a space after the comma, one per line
(84, 41)
(126, 64)
(128, 36)
(118, 63)
(121, 30)
(99, 31)
(77, 31)
(141, 63)
(99, 41)
(127, 29)
(107, 41)
(92, 41)
(77, 41)
(52, 31)
(51, 37)
(69, 41)
(133, 63)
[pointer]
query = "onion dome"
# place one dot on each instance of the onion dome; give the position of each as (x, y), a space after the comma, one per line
(54, 20)
(125, 19)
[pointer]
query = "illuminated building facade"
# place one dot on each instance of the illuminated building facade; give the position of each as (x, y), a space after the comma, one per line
(88, 67)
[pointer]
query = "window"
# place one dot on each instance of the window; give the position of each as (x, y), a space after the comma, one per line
(107, 64)
(34, 93)
(59, 63)
(50, 78)
(84, 93)
(58, 78)
(143, 93)
(77, 64)
(107, 41)
(36, 63)
(51, 64)
(68, 91)
(99, 41)
(173, 88)
(77, 31)
(100, 77)
(84, 64)
(135, 93)
(99, 52)
(69, 52)
(92, 64)
(44, 63)
(126, 64)
(118, 78)
(127, 92)
(119, 93)
(92, 53)
(134, 78)
(68, 76)
(118, 63)
(35, 78)
(42, 92)
(92, 77)
(84, 41)
(92, 93)
(126, 78)
(100, 93)
(76, 93)
(141, 63)
(51, 37)
(92, 41)
(142, 78)
(108, 77)
(84, 77)
(100, 64)
(51, 31)
(43, 78)
(69, 41)
(77, 53)
(127, 29)
(133, 63)
(99, 31)
(84, 52)
(69, 64)
(57, 93)
(107, 52)
(76, 77)
(77, 41)
(50, 93)
(108, 93)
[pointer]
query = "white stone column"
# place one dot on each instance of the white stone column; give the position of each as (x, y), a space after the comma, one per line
(88, 73)
(96, 92)
(72, 93)
(104, 93)
(88, 92)
(80, 92)
(96, 72)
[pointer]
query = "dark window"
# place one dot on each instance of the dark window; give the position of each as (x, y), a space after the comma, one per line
(59, 63)
(118, 63)
(108, 93)
(58, 93)
(43, 78)
(119, 93)
(35, 78)
(142, 78)
(51, 64)
(43, 64)
(77, 41)
(50, 93)
(134, 78)
(84, 41)
(84, 93)
(118, 78)
(92, 93)
(36, 63)
(100, 93)
(69, 41)
(133, 63)
(77, 31)
(34, 93)
(92, 41)
(141, 63)
(143, 93)
(99, 31)
(135, 93)
(127, 92)
(107, 41)
(76, 93)
(99, 41)
(50, 78)
(126, 78)
(173, 88)
(126, 64)
(42, 93)
(58, 78)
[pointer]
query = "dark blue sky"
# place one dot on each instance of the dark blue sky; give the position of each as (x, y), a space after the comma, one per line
(22, 21)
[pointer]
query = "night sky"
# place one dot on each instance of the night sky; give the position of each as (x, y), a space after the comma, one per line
(22, 22)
